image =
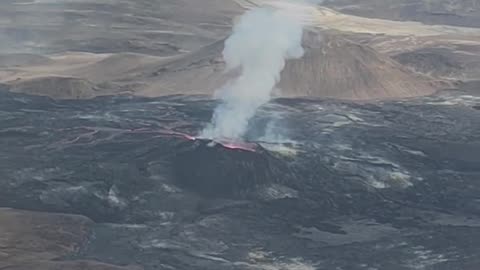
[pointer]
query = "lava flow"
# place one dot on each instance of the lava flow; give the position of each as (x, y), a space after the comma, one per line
(233, 145)
(247, 146)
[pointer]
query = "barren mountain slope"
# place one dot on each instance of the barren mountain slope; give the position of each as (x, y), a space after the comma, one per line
(332, 67)
(143, 47)
(449, 12)
(454, 57)
(58, 87)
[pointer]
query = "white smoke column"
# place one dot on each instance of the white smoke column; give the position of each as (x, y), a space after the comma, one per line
(262, 40)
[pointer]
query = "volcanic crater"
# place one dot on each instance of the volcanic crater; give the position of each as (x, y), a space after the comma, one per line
(226, 170)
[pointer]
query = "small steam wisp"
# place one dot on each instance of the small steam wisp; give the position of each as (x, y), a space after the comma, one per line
(262, 40)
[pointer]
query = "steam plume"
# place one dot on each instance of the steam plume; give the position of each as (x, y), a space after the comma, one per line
(262, 40)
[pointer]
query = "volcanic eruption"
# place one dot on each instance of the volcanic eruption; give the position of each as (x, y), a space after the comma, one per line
(262, 40)
(220, 163)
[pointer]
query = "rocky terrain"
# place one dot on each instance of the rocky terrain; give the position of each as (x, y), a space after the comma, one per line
(391, 185)
(449, 12)
(32, 240)
(81, 49)
(366, 159)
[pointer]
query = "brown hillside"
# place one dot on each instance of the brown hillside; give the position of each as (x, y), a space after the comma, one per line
(332, 67)
(57, 87)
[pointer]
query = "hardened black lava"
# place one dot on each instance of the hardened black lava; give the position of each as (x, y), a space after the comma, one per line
(214, 169)
(391, 185)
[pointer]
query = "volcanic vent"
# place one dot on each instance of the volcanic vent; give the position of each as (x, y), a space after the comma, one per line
(227, 170)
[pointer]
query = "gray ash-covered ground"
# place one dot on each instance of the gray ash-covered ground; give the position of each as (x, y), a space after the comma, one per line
(388, 185)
